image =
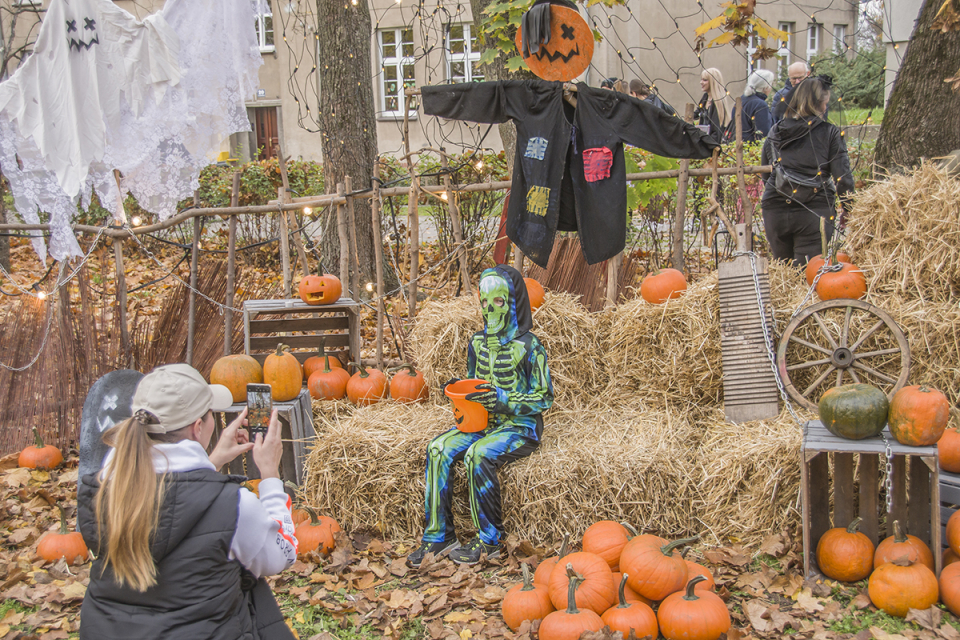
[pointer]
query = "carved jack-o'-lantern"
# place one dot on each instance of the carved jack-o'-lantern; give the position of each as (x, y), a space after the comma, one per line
(568, 52)
(325, 289)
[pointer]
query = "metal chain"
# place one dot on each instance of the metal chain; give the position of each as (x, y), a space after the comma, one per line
(46, 331)
(888, 468)
(60, 282)
(824, 268)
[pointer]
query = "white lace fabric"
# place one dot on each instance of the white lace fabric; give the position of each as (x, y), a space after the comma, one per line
(104, 91)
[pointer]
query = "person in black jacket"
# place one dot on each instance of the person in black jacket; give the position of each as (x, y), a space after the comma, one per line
(809, 151)
(640, 90)
(715, 108)
(796, 73)
(756, 114)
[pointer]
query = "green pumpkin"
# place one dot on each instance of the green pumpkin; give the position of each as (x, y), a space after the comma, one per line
(854, 411)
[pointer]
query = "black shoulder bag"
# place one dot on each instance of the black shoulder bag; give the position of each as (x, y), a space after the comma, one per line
(794, 186)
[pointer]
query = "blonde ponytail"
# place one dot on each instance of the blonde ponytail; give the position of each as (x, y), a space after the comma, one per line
(128, 505)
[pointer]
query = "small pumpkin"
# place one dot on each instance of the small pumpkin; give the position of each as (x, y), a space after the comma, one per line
(317, 534)
(918, 415)
(535, 293)
(317, 290)
(663, 285)
(948, 450)
(949, 586)
(901, 585)
(693, 614)
(39, 455)
(366, 386)
(328, 383)
(547, 565)
(525, 601)
(235, 373)
(595, 591)
(65, 544)
(253, 486)
(606, 539)
(854, 411)
(848, 283)
(631, 616)
(948, 557)
(953, 532)
(320, 361)
(845, 554)
(696, 569)
(656, 572)
(570, 622)
(628, 593)
(901, 544)
(817, 261)
(282, 371)
(409, 386)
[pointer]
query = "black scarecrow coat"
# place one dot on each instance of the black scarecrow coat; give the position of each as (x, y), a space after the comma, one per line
(569, 173)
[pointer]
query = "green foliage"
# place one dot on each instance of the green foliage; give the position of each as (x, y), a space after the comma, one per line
(640, 193)
(859, 82)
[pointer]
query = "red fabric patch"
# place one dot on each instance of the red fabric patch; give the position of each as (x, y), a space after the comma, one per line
(597, 163)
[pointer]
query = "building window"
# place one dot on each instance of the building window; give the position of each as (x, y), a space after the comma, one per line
(463, 55)
(396, 69)
(839, 38)
(753, 43)
(263, 21)
(783, 47)
(813, 40)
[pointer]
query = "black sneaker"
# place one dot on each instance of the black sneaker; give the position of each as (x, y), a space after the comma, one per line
(438, 549)
(470, 553)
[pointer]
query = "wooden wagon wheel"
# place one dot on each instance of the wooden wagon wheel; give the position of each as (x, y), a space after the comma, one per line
(835, 356)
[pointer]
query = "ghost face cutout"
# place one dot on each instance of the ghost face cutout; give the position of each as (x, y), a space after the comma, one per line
(81, 33)
(569, 50)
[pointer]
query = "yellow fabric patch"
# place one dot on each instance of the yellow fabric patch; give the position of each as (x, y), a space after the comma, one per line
(538, 198)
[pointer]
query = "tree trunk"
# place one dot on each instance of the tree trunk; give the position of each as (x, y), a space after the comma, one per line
(348, 127)
(921, 117)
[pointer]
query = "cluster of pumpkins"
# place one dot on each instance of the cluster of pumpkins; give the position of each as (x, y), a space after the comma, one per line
(848, 281)
(616, 581)
(313, 532)
(900, 569)
(917, 414)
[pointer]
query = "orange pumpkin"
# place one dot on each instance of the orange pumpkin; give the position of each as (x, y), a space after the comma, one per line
(408, 387)
(366, 386)
(65, 544)
(282, 371)
(848, 283)
(656, 572)
(845, 554)
(634, 616)
(595, 592)
(328, 384)
(319, 361)
(695, 569)
(900, 544)
(299, 516)
(918, 415)
(693, 614)
(39, 455)
(953, 532)
(525, 601)
(570, 622)
(317, 534)
(546, 566)
(901, 585)
(663, 285)
(316, 290)
(948, 450)
(253, 486)
(948, 557)
(535, 293)
(235, 373)
(569, 50)
(606, 539)
(628, 593)
(949, 585)
(817, 261)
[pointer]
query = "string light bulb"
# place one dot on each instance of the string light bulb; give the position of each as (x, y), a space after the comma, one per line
(307, 211)
(480, 165)
(369, 287)
(443, 196)
(42, 295)
(136, 221)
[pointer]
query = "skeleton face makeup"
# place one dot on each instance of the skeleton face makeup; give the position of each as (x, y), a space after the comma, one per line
(494, 303)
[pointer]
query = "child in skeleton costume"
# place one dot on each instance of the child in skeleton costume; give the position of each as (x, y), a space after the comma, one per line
(514, 363)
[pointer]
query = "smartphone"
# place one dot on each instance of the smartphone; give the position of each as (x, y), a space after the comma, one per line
(259, 408)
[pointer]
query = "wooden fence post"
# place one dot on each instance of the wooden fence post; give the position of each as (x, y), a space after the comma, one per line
(741, 182)
(613, 279)
(122, 300)
(284, 244)
(413, 227)
(680, 218)
(231, 267)
(291, 218)
(352, 236)
(455, 222)
(344, 237)
(378, 257)
(194, 259)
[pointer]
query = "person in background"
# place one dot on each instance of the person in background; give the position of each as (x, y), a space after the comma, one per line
(612, 84)
(715, 108)
(181, 549)
(796, 73)
(756, 116)
(811, 150)
(640, 90)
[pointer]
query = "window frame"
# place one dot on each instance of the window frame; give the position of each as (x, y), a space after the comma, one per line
(813, 35)
(839, 38)
(260, 17)
(397, 62)
(783, 51)
(754, 42)
(468, 57)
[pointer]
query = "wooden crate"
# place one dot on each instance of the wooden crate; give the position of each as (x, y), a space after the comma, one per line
(854, 486)
(265, 320)
(949, 502)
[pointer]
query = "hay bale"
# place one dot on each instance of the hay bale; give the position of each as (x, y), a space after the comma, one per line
(904, 233)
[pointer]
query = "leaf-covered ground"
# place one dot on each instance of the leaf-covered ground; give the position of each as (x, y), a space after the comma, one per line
(364, 589)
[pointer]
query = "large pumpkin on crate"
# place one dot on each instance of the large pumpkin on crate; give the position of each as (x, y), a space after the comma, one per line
(902, 544)
(918, 415)
(282, 371)
(568, 52)
(317, 290)
(854, 411)
(235, 373)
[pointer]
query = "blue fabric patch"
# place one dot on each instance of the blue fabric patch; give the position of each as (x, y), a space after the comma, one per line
(536, 147)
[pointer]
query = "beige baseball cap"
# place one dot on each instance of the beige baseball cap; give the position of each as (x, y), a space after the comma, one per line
(177, 395)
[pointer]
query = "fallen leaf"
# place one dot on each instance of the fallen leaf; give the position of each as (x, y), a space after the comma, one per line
(23, 534)
(460, 616)
(880, 634)
(758, 614)
(926, 618)
(808, 602)
(399, 567)
(773, 545)
(9, 461)
(947, 632)
(17, 478)
(40, 476)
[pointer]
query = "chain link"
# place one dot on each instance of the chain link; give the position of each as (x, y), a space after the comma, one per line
(888, 468)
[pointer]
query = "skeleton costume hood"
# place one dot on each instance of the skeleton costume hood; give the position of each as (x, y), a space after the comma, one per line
(514, 319)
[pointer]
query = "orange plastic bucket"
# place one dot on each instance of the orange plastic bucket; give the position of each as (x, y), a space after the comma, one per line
(470, 416)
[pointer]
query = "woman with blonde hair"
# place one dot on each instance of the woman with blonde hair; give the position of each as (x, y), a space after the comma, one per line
(715, 108)
(181, 548)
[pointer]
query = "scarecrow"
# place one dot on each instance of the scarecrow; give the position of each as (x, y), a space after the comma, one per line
(514, 364)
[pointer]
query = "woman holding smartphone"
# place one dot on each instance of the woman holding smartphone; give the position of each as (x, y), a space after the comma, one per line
(182, 549)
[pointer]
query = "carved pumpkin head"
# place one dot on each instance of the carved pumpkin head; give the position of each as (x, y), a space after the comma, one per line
(569, 50)
(325, 289)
